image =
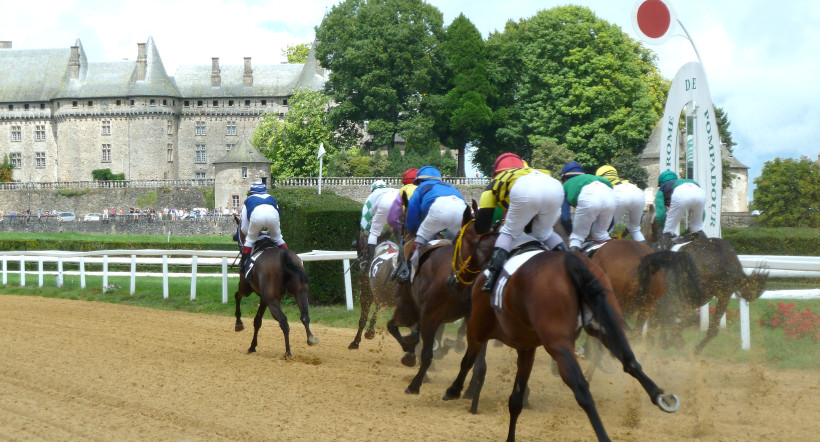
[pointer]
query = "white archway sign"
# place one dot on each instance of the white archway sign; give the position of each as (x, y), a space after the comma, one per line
(691, 88)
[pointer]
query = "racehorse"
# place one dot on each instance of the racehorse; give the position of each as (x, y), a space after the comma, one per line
(377, 288)
(274, 272)
(431, 301)
(543, 302)
(721, 275)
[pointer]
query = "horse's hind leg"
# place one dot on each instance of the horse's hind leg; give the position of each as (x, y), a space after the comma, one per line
(714, 321)
(428, 334)
(572, 375)
(526, 356)
(302, 301)
(365, 299)
(371, 329)
(477, 381)
(239, 326)
(276, 311)
(257, 323)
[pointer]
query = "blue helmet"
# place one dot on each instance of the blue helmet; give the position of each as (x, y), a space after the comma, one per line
(427, 173)
(257, 188)
(570, 170)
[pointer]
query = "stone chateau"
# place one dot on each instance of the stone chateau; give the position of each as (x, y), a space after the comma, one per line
(62, 117)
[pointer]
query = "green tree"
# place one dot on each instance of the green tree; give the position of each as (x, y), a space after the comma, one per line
(292, 143)
(297, 53)
(722, 120)
(549, 155)
(565, 74)
(629, 168)
(6, 170)
(382, 57)
(463, 113)
(788, 193)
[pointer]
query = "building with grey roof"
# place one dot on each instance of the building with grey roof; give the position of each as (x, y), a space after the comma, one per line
(61, 116)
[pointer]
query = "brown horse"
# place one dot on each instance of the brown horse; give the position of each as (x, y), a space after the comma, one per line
(543, 302)
(371, 292)
(274, 272)
(377, 288)
(721, 275)
(430, 302)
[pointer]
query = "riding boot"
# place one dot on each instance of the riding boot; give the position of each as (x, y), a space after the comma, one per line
(494, 267)
(561, 247)
(666, 241)
(243, 261)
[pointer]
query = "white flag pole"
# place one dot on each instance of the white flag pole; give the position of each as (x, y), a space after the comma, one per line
(321, 154)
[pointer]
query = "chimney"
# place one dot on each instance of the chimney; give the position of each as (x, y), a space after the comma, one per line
(247, 79)
(142, 62)
(216, 78)
(5, 44)
(74, 63)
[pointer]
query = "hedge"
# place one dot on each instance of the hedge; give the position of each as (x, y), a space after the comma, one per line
(790, 241)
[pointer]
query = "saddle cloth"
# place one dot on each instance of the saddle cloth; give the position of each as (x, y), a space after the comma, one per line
(677, 247)
(381, 259)
(510, 267)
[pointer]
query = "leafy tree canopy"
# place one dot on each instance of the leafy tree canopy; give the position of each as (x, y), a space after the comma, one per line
(567, 75)
(292, 143)
(629, 168)
(788, 193)
(6, 170)
(354, 162)
(297, 53)
(382, 56)
(547, 154)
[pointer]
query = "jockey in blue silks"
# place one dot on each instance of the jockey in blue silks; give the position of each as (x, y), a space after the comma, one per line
(435, 206)
(259, 212)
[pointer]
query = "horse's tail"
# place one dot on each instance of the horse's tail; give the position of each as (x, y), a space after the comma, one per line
(293, 268)
(593, 295)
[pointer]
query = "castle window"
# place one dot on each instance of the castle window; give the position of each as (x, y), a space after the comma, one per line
(199, 175)
(40, 132)
(264, 102)
(165, 102)
(247, 103)
(11, 107)
(199, 103)
(230, 102)
(106, 127)
(200, 128)
(90, 103)
(153, 102)
(132, 102)
(244, 171)
(216, 103)
(40, 160)
(228, 147)
(285, 101)
(106, 153)
(235, 201)
(170, 152)
(25, 106)
(16, 159)
(42, 105)
(74, 103)
(200, 154)
(230, 128)
(119, 102)
(16, 133)
(186, 103)
(170, 127)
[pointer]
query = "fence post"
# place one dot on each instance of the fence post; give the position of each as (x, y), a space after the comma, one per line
(133, 274)
(22, 271)
(704, 316)
(745, 327)
(193, 278)
(224, 279)
(164, 276)
(59, 272)
(40, 271)
(5, 270)
(348, 284)
(82, 272)
(105, 272)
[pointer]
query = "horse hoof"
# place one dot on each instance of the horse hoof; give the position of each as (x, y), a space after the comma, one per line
(353, 346)
(251, 350)
(409, 359)
(239, 327)
(668, 402)
(411, 390)
(370, 334)
(312, 340)
(448, 396)
(461, 347)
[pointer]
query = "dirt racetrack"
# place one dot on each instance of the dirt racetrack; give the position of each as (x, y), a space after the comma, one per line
(76, 370)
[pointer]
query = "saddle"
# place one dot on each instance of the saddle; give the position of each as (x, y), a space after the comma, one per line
(264, 242)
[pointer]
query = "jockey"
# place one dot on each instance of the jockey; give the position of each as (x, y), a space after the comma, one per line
(594, 205)
(528, 195)
(676, 196)
(259, 212)
(434, 207)
(397, 209)
(628, 198)
(374, 214)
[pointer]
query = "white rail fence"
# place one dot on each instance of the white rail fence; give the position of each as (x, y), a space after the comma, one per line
(193, 258)
(778, 266)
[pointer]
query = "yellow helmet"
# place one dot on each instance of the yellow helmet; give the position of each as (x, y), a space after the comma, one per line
(607, 172)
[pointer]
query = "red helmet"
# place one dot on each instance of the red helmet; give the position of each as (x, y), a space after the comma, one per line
(409, 175)
(506, 161)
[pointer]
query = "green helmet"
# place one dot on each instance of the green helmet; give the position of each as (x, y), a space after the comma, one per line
(667, 175)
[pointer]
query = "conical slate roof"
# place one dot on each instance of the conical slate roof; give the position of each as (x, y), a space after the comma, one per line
(244, 153)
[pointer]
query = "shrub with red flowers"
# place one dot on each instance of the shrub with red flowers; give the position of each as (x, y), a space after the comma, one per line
(797, 324)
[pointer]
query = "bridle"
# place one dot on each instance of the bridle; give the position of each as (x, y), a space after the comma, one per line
(460, 265)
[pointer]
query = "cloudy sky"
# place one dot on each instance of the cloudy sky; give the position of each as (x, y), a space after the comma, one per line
(761, 56)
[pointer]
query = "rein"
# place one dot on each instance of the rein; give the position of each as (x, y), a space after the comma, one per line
(458, 269)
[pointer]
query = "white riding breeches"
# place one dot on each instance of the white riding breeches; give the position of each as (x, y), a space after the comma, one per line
(593, 214)
(535, 197)
(630, 200)
(380, 212)
(445, 214)
(686, 198)
(263, 217)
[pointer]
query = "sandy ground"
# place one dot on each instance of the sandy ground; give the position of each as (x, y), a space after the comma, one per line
(75, 370)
